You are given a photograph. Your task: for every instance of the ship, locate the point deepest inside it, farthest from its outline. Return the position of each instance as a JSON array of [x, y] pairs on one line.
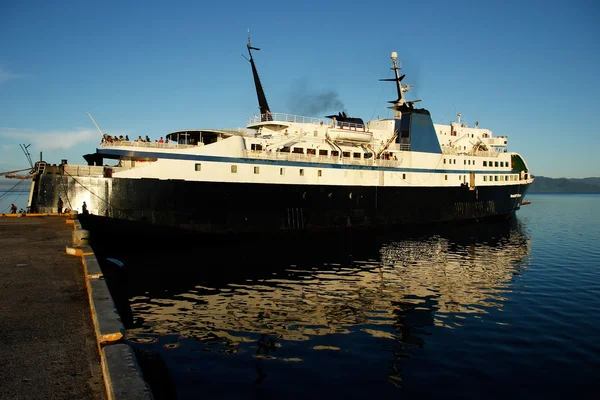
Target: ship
[[291, 173]]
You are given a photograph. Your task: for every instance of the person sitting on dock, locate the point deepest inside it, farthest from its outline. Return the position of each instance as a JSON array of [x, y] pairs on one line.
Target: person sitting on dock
[[13, 209], [60, 205]]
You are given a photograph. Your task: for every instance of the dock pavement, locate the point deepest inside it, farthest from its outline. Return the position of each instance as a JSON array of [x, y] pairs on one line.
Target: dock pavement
[[48, 348]]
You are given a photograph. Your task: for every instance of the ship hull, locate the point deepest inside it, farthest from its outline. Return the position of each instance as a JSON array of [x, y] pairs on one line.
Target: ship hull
[[214, 207]]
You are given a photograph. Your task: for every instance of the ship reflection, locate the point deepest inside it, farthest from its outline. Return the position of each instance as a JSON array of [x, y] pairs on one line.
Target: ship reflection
[[289, 301]]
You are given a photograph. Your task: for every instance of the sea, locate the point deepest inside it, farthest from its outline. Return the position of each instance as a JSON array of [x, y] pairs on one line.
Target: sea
[[509, 309], [19, 198]]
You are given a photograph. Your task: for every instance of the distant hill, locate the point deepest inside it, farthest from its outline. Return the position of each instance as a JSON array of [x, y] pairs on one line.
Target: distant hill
[[542, 184]]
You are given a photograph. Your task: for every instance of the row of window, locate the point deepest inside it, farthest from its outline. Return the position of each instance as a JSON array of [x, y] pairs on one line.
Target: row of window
[[324, 152], [485, 163], [500, 178], [495, 164], [234, 170]]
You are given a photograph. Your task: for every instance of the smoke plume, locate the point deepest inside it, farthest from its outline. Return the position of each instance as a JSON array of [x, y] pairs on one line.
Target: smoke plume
[[305, 101]]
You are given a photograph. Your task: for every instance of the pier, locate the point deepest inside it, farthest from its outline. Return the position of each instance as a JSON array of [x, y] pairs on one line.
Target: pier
[[60, 336]]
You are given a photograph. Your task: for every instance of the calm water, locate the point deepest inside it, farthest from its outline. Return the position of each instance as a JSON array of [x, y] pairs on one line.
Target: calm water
[[484, 311]]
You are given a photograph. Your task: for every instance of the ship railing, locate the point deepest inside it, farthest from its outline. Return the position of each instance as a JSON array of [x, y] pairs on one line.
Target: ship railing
[[307, 158], [399, 146], [481, 153], [84, 170], [282, 117], [170, 145]]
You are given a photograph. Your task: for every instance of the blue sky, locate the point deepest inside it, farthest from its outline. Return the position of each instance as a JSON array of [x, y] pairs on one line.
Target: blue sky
[[523, 68]]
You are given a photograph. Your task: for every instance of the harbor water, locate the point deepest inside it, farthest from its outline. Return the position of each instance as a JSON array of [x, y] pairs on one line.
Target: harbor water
[[478, 311], [18, 198]]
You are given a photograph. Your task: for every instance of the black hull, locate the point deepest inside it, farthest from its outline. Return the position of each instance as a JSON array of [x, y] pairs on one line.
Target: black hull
[[214, 207]]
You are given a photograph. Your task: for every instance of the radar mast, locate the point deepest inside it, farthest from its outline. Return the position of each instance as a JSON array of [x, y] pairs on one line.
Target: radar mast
[[265, 111]]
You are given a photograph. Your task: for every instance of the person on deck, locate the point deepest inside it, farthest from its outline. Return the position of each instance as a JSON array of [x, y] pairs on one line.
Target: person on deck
[[60, 205], [84, 209], [13, 209], [161, 140]]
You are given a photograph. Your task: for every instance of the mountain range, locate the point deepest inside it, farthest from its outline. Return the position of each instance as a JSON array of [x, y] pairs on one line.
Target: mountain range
[[542, 184]]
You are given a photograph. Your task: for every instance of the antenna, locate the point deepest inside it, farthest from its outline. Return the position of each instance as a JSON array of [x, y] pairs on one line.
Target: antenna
[[95, 123]]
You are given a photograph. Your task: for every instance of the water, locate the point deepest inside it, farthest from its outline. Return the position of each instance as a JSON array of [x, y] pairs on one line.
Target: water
[[492, 311], [18, 198]]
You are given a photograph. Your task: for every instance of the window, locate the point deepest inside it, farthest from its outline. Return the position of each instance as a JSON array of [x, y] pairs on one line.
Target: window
[[502, 163], [285, 150], [491, 178], [496, 164], [368, 155], [234, 169], [454, 161], [491, 164], [485, 163], [282, 171], [356, 155], [198, 167], [444, 161], [322, 152], [311, 152], [501, 178], [256, 147], [335, 153], [485, 178], [445, 177], [298, 150], [496, 178], [506, 178], [256, 170], [319, 172], [403, 176], [301, 172], [465, 162], [316, 133], [346, 154]]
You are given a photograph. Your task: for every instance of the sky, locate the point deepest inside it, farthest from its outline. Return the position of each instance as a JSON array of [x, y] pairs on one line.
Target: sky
[[526, 69]]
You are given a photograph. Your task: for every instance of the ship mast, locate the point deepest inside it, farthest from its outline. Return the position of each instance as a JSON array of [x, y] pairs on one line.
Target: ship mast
[[265, 111], [400, 104]]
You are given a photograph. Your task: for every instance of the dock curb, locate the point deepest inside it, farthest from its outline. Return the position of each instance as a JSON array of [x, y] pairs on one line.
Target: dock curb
[[122, 375]]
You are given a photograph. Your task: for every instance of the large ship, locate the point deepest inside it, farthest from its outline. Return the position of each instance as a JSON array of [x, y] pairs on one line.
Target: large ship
[[286, 172]]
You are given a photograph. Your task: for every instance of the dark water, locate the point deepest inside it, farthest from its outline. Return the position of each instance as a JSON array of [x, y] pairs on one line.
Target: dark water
[[480, 311]]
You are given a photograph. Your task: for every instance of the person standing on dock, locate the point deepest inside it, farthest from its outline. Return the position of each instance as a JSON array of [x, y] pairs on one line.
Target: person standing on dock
[[60, 205]]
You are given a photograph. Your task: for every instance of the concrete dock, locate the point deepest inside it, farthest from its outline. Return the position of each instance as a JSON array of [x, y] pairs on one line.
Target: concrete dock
[[48, 347]]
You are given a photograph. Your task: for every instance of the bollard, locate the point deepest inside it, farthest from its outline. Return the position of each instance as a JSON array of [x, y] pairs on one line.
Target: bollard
[[81, 237]]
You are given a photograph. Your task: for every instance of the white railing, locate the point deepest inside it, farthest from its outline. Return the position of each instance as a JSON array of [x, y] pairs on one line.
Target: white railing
[[455, 152], [307, 158], [154, 145], [487, 153], [399, 147], [281, 117]]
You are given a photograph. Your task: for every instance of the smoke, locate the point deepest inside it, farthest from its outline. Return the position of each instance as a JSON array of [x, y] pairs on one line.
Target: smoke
[[305, 101]]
